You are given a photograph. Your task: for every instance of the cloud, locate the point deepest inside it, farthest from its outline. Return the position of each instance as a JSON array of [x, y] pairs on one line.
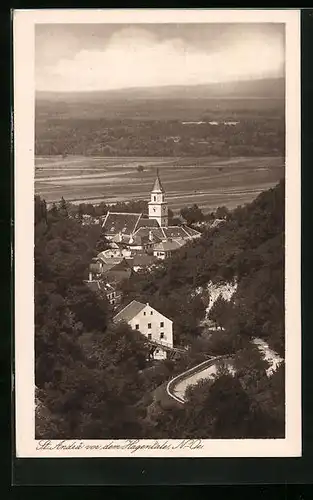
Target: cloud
[[137, 58]]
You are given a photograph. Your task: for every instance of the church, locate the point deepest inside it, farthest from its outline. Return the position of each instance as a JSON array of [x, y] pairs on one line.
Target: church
[[136, 242], [137, 232]]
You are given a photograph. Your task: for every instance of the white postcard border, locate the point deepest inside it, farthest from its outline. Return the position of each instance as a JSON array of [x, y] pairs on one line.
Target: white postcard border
[[24, 56]]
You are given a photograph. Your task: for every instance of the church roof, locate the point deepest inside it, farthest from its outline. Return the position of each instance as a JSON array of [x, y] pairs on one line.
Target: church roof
[[156, 232], [191, 232], [147, 223], [157, 184], [176, 232], [120, 222], [130, 311]]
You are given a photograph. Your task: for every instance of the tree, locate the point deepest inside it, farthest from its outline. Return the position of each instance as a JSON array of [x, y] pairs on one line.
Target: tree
[[63, 208], [40, 210], [192, 214], [221, 213], [102, 243], [220, 312]]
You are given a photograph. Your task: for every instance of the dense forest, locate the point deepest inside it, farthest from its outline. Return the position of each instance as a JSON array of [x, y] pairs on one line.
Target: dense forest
[[252, 135], [94, 379]]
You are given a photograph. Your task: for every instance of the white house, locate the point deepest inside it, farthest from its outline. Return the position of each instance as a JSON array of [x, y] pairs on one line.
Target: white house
[[151, 323], [165, 249]]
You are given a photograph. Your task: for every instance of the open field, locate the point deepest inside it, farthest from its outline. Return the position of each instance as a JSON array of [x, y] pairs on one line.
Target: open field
[[209, 182]]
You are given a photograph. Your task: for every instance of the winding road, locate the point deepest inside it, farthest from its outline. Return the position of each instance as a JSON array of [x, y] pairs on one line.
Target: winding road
[[176, 388]]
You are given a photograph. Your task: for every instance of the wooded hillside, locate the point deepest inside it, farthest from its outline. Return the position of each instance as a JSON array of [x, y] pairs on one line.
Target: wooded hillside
[[93, 378]]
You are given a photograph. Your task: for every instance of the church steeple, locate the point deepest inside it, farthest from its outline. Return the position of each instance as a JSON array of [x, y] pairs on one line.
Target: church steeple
[[157, 188], [157, 206]]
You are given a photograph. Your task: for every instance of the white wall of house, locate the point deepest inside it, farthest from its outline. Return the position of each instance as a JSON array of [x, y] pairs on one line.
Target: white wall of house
[[135, 247], [161, 254], [113, 297], [137, 268], [154, 326], [159, 353]]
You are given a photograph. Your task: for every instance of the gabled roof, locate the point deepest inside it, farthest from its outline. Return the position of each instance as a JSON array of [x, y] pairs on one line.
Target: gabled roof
[[166, 246], [99, 285], [147, 223], [157, 184], [123, 264], [156, 232], [144, 260], [175, 232], [94, 285], [191, 232], [217, 222], [111, 261], [113, 270], [120, 222], [130, 311], [117, 275]]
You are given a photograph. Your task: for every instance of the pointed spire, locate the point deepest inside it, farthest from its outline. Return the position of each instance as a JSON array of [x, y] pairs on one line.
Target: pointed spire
[[157, 184]]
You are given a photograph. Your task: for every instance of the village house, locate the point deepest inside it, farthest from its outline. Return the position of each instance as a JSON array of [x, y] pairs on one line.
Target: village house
[[166, 248], [110, 290], [143, 261], [114, 269], [155, 326]]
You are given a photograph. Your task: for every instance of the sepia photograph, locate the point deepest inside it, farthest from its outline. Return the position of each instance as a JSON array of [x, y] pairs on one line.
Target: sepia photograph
[[163, 166]]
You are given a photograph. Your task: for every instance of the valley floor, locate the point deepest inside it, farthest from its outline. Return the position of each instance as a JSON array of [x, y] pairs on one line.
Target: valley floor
[[209, 182]]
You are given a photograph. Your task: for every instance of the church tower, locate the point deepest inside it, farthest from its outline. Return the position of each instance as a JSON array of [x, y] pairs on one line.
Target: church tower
[[157, 206]]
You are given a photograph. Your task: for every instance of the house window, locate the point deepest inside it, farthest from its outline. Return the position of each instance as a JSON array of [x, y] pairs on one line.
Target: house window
[[149, 336], [137, 327], [144, 313], [149, 325], [162, 335], [154, 198], [151, 312], [113, 301], [161, 324]]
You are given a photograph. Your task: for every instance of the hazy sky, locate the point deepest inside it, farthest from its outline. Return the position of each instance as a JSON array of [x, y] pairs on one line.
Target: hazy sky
[[111, 56]]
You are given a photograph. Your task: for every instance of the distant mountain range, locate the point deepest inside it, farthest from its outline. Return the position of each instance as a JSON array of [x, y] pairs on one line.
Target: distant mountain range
[[271, 88]]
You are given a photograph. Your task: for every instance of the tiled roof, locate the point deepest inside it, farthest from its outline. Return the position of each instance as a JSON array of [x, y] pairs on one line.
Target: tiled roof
[[191, 232], [100, 285], [166, 246], [147, 223], [175, 232], [119, 222], [130, 311], [94, 285], [181, 241], [217, 222], [144, 260], [113, 270], [111, 261], [156, 232], [118, 276], [123, 264]]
